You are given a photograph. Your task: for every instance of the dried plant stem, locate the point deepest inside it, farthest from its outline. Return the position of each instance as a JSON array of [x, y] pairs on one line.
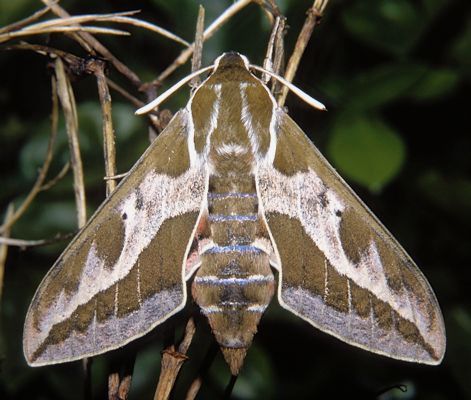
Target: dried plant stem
[[230, 387], [92, 29], [202, 371], [87, 41], [108, 132], [57, 178], [123, 92], [275, 49], [314, 15], [67, 100], [38, 185], [27, 21], [121, 17], [119, 380], [186, 54], [4, 248], [34, 243], [198, 53], [172, 361]]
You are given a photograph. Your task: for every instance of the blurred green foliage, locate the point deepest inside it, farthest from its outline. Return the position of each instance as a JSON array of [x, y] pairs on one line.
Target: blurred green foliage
[[395, 76]]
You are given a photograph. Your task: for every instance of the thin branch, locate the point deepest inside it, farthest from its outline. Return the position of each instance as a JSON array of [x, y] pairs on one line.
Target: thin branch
[[67, 100], [198, 53], [275, 49], [79, 19], [4, 248], [30, 32], [120, 376], [120, 17], [34, 243], [153, 28], [87, 41], [57, 178], [172, 361], [27, 21], [230, 387], [186, 54], [109, 147], [117, 176], [314, 14], [38, 185], [202, 371], [123, 92]]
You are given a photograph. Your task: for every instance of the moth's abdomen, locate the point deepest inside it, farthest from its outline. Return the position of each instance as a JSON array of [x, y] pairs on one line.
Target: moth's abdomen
[[234, 284]]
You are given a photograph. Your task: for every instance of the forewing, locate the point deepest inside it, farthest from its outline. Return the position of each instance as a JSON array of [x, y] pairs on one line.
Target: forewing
[[340, 269], [123, 274]]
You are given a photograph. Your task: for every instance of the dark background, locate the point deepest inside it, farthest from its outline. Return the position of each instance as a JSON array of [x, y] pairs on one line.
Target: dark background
[[395, 77]]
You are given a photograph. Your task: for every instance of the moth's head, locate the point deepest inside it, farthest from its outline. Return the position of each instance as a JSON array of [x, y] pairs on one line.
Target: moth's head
[[230, 67], [231, 59]]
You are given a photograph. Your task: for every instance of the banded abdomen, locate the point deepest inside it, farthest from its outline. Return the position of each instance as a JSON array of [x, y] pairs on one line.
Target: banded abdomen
[[234, 284]]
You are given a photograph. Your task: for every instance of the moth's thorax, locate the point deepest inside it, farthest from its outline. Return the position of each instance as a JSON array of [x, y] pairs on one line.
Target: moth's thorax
[[232, 113]]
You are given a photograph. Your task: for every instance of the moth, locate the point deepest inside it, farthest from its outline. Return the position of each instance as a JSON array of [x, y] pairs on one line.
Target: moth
[[233, 199]]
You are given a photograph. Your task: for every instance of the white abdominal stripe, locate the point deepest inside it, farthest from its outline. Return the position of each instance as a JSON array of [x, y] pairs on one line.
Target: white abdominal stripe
[[236, 308], [237, 218], [233, 249], [248, 280]]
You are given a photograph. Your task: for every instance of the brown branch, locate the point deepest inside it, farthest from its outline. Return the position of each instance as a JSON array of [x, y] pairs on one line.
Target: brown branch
[[92, 29], [57, 178], [119, 379], [38, 185], [4, 248], [34, 243], [28, 20], [275, 49], [123, 92], [202, 371], [66, 97], [172, 361], [98, 67], [87, 41], [198, 53], [209, 32], [314, 15]]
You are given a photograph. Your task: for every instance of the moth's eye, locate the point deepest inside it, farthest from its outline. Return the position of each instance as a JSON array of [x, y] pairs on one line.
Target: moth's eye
[[338, 213], [125, 216]]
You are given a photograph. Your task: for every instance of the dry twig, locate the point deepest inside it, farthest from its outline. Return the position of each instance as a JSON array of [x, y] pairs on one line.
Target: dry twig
[[24, 22], [314, 15], [90, 44], [198, 53], [66, 96], [108, 131], [186, 54], [4, 248], [23, 244], [172, 361]]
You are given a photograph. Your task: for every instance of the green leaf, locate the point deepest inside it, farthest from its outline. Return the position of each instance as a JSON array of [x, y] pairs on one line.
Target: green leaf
[[382, 85], [366, 150], [461, 50], [435, 83], [392, 26]]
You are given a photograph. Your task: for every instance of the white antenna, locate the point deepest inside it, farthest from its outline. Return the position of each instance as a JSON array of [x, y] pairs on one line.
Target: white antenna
[[154, 103], [298, 92]]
